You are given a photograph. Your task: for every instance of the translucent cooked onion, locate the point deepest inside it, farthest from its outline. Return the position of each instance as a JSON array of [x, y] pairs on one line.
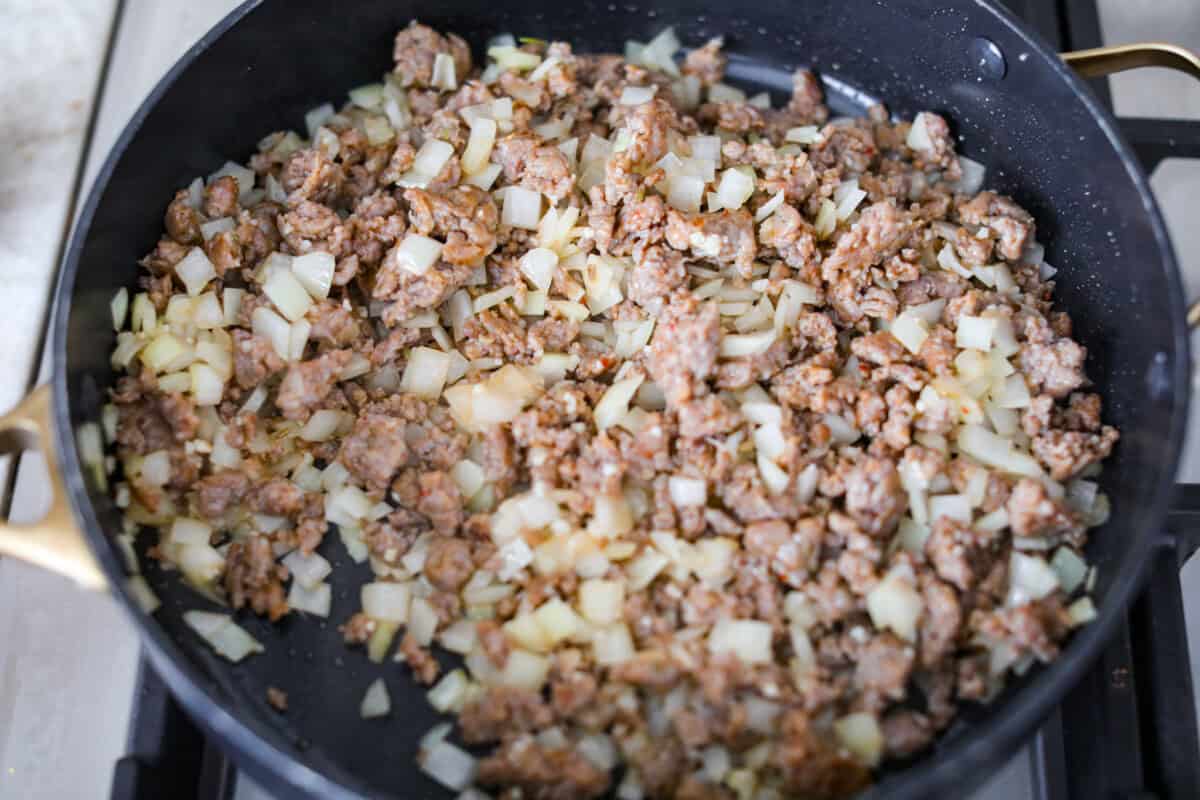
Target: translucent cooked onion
[[735, 188], [322, 425], [995, 451], [748, 640], [827, 219], [479, 145], [427, 164], [273, 328], [738, 346], [288, 294], [444, 77], [450, 766], [975, 332], [685, 192], [860, 734], [385, 601], [425, 373], [538, 265], [973, 175], [687, 491], [601, 602], [195, 271], [315, 272], [418, 253], [376, 702], [315, 600], [1029, 578], [724, 93], [804, 134], [228, 639], [522, 208], [847, 196], [895, 604], [612, 644], [918, 134], [450, 693], [636, 95], [207, 385], [614, 405], [768, 208]]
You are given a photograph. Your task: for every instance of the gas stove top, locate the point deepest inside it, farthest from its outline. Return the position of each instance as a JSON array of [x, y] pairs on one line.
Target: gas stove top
[[1128, 730]]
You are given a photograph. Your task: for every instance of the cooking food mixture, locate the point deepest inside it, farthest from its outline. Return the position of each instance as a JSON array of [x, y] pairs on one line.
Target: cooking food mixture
[[732, 446]]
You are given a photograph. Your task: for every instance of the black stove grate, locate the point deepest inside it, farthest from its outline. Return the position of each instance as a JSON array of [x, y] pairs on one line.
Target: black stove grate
[[1127, 731]]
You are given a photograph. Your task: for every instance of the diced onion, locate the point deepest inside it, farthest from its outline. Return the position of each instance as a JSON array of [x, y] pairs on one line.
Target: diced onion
[[973, 175], [918, 134], [427, 164], [684, 192], [450, 766], [207, 385], [1030, 578], [636, 95], [804, 134], [315, 272], [450, 693], [612, 644], [1070, 569], [509, 57], [522, 208], [748, 640], [975, 332], [195, 270], [484, 178], [827, 219], [847, 196], [418, 253], [602, 601], [388, 602], [479, 145], [288, 294], [614, 405], [737, 346], [860, 734], [315, 600], [274, 328], [538, 266], [768, 208], [376, 702], [227, 638], [425, 373], [687, 491], [443, 73], [995, 451], [954, 506], [1082, 611], [895, 604], [724, 93], [735, 188]]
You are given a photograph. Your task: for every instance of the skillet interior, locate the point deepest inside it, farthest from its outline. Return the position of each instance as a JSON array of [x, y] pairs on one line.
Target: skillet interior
[[1042, 141]]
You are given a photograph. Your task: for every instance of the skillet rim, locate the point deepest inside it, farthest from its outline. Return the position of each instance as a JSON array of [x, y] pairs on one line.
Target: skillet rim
[[957, 766]]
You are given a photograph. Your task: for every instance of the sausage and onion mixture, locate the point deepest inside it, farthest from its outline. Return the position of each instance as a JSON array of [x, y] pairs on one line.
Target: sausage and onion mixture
[[732, 446]]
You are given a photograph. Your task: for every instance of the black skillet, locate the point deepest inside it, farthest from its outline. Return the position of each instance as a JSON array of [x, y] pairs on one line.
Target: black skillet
[[1015, 107]]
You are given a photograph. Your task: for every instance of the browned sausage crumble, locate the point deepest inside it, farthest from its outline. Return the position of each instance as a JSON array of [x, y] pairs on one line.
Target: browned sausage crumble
[[732, 445]]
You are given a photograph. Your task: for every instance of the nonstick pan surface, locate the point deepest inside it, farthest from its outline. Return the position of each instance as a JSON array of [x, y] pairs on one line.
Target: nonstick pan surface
[[1014, 106]]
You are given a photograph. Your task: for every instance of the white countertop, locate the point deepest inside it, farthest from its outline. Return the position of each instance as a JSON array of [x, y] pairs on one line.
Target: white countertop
[[69, 659]]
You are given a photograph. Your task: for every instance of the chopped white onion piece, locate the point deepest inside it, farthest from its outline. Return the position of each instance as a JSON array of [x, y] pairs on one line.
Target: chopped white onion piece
[[494, 298], [484, 178], [450, 693], [735, 188], [316, 600], [228, 639], [1029, 578], [195, 270], [376, 702], [954, 506], [1082, 611], [910, 330], [847, 196], [995, 451], [768, 208], [724, 93], [612, 644], [388, 602], [427, 164], [895, 604], [684, 192], [860, 734], [748, 640], [538, 266], [450, 766], [602, 601], [315, 272], [274, 328], [614, 405], [687, 491], [418, 253], [443, 73], [827, 219], [425, 373], [636, 95], [522, 208], [243, 176], [307, 570], [973, 175], [737, 346], [509, 57], [1070, 568], [918, 134], [207, 385], [322, 425], [288, 294], [804, 134], [479, 145], [975, 332]]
